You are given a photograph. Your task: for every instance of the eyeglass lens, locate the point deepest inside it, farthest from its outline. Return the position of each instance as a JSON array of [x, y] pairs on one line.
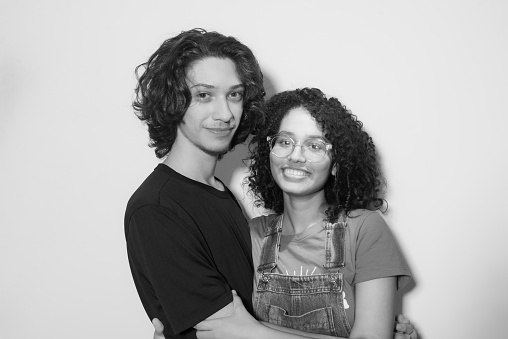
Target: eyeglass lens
[[312, 149]]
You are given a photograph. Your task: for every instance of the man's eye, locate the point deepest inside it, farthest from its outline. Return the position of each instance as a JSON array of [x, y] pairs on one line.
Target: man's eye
[[203, 95]]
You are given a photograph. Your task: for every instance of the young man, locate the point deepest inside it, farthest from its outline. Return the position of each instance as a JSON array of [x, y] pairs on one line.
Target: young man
[[201, 93], [188, 243]]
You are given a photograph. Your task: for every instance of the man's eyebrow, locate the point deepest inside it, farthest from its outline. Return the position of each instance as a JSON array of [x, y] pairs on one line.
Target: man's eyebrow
[[239, 86], [203, 85]]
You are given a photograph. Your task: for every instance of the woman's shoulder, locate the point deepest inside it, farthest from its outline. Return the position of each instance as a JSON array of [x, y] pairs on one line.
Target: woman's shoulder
[[363, 220]]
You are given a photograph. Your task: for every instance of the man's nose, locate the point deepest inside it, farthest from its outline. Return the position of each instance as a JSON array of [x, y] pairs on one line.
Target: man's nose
[[221, 110]]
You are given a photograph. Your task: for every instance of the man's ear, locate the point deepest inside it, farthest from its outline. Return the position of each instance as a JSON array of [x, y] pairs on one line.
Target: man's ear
[[334, 169]]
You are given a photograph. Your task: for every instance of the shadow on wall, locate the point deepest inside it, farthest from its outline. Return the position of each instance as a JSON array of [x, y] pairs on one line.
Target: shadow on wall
[[232, 169], [399, 304], [233, 161]]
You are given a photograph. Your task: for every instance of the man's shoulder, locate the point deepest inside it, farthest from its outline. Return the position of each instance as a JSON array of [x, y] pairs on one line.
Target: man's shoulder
[[156, 190], [149, 191], [155, 202], [259, 224]]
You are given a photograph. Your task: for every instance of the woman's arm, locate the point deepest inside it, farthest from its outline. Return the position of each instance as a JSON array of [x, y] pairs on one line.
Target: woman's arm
[[375, 307], [375, 303], [242, 325], [370, 295]]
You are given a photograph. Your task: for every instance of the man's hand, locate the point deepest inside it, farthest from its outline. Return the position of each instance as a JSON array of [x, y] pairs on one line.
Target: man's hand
[[404, 329], [158, 329]]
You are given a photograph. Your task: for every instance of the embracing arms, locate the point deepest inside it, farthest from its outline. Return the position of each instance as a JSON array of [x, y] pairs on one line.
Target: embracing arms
[[373, 319], [375, 302]]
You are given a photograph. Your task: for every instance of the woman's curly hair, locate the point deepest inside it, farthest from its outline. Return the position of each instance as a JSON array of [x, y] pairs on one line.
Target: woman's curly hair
[[357, 183], [162, 94]]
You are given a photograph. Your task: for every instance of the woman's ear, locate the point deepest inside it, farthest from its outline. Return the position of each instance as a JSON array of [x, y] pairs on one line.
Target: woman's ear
[[334, 169]]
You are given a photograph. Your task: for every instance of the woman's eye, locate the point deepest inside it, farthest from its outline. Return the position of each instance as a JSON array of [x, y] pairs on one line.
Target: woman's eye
[[315, 145], [285, 142], [236, 96]]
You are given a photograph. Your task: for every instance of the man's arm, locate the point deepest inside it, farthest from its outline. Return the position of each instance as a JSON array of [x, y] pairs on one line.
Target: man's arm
[[169, 260], [223, 312], [404, 328], [242, 325]]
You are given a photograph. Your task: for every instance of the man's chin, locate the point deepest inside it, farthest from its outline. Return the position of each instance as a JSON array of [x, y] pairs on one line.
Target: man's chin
[[217, 152]]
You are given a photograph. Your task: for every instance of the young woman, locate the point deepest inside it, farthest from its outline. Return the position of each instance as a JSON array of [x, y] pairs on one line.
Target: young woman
[[327, 263]]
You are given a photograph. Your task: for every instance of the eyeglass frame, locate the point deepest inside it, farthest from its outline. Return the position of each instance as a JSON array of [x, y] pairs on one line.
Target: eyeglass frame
[[269, 139]]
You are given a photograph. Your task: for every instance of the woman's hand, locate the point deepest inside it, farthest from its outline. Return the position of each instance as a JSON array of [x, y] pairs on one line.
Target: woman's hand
[[240, 324], [158, 328]]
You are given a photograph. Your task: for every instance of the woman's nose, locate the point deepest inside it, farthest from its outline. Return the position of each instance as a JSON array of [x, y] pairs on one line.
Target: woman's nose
[[296, 154]]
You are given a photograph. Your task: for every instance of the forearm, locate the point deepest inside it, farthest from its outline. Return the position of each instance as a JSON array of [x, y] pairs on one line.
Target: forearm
[[279, 332]]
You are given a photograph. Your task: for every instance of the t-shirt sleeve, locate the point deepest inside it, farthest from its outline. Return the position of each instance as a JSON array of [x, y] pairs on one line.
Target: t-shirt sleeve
[[173, 269], [377, 253]]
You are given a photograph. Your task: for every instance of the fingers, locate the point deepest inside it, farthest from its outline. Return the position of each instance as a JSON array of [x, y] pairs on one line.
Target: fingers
[[204, 335], [237, 301], [157, 324], [203, 325], [159, 329], [401, 319], [405, 331], [404, 328], [204, 329]]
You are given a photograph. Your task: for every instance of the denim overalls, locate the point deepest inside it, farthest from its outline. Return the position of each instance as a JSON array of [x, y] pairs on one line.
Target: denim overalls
[[308, 303]]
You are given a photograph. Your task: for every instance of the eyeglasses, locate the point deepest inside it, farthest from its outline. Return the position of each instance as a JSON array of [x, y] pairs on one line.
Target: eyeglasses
[[314, 150]]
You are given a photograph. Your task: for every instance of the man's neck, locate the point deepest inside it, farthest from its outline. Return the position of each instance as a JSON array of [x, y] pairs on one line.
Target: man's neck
[[194, 164]]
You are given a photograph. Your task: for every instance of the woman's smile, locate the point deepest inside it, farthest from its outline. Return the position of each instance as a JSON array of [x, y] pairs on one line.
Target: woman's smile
[[293, 172]]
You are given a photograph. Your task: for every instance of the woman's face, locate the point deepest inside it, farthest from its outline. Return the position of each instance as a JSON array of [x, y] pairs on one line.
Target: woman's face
[[294, 174]]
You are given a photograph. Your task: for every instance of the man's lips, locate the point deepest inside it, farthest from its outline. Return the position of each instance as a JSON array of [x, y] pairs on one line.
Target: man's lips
[[220, 130]]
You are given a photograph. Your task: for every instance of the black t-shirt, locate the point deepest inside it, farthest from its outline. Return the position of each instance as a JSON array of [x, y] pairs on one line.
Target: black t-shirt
[[188, 245]]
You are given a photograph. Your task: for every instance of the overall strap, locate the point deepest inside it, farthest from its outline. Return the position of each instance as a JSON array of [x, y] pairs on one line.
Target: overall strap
[[271, 244], [335, 249]]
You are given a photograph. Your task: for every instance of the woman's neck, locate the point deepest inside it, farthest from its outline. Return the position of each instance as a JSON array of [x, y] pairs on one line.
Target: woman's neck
[[301, 213]]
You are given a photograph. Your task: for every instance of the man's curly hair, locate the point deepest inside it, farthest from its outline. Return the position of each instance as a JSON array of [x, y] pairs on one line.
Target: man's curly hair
[[357, 183], [162, 94]]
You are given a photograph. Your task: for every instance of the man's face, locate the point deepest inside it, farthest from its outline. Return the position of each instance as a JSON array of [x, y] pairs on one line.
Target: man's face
[[216, 107]]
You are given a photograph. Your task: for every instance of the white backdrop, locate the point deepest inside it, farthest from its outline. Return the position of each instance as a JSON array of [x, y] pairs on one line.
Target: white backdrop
[[428, 79]]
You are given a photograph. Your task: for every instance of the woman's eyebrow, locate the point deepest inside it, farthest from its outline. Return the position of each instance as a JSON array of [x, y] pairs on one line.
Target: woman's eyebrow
[[312, 136]]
